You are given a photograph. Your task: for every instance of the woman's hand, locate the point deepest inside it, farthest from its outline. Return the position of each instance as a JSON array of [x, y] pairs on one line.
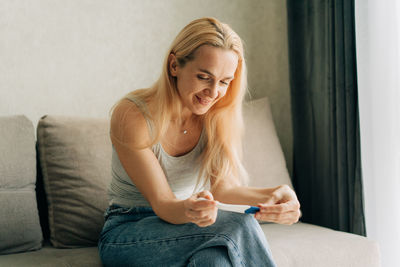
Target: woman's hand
[[201, 212], [282, 207]]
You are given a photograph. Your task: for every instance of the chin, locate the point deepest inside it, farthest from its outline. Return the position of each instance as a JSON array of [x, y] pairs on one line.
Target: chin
[[201, 109]]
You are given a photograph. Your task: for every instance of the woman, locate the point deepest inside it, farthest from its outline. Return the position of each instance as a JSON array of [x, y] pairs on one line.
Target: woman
[[176, 153]]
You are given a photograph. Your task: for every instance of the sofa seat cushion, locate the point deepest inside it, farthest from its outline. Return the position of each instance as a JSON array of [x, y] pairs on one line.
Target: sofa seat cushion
[[50, 256], [19, 220], [298, 245], [309, 245]]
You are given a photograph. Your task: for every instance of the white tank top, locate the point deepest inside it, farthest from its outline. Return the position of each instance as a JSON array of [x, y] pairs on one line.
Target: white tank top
[[181, 172]]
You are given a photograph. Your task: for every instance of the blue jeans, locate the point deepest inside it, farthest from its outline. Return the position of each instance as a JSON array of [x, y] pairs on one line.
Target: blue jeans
[[138, 237]]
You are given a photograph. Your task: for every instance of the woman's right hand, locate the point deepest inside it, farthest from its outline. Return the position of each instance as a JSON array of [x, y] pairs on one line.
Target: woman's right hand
[[202, 212]]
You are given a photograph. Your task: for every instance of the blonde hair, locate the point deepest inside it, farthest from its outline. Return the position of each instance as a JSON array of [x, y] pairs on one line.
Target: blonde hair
[[223, 123]]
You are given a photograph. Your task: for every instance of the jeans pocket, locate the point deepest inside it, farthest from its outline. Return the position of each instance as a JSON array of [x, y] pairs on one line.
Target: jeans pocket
[[115, 210]]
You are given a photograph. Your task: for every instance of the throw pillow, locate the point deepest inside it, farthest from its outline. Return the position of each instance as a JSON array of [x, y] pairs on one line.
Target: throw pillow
[[75, 158]]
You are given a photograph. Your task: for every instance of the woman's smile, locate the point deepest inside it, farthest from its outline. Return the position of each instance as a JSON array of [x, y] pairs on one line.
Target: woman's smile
[[203, 101]]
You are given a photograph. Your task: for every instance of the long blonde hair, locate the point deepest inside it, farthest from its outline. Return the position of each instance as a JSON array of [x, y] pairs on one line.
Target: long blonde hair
[[223, 123]]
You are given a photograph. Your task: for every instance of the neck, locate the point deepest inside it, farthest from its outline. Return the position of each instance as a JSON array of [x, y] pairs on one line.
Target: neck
[[187, 123], [184, 117]]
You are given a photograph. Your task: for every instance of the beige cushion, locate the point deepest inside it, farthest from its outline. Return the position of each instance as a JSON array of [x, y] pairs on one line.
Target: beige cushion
[[75, 157], [309, 245], [50, 257], [19, 220], [262, 153]]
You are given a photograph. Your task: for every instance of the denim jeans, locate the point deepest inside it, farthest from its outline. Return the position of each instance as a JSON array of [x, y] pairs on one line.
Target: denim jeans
[[138, 237]]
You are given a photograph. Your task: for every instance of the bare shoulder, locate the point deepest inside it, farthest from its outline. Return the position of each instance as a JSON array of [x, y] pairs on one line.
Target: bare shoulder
[[128, 126]]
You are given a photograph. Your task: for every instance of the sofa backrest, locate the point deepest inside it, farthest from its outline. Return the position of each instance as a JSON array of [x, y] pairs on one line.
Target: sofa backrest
[[262, 153]]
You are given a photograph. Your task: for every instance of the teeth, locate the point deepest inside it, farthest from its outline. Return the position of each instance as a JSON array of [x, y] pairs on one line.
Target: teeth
[[202, 101]]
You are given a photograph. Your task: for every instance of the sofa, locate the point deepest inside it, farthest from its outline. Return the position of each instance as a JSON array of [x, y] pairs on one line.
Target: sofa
[[53, 193]]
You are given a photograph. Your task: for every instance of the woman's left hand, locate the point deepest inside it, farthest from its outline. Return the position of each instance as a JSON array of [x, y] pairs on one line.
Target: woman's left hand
[[282, 207]]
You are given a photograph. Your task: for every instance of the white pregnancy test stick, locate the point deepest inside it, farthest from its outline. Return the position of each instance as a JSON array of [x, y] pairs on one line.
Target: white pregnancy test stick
[[235, 208]]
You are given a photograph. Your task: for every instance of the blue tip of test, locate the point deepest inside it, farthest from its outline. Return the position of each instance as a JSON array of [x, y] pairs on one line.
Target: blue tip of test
[[252, 210]]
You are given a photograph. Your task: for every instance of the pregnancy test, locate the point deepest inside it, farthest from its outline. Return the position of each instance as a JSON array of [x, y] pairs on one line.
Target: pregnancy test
[[235, 208]]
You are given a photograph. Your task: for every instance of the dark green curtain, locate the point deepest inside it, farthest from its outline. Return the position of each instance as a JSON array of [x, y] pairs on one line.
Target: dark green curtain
[[323, 79]]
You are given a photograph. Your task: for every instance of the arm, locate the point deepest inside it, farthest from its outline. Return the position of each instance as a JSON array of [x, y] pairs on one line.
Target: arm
[[128, 133], [278, 204], [233, 193]]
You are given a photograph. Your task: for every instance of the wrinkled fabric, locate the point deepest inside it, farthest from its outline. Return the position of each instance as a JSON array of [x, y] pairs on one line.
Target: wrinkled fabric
[[138, 237]]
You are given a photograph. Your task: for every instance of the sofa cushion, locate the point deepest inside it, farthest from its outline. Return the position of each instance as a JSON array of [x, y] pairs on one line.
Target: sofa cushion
[[19, 221], [50, 256], [75, 158], [262, 153], [303, 244]]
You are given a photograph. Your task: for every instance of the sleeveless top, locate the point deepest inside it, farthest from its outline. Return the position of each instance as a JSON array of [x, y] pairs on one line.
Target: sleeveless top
[[181, 172]]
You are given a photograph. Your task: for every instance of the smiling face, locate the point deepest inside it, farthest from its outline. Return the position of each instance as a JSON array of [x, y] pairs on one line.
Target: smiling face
[[204, 80]]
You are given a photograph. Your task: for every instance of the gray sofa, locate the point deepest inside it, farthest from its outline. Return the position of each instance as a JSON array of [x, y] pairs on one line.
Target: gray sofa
[[53, 194]]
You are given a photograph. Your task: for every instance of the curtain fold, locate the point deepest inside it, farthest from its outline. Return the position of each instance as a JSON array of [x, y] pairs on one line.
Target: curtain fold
[[323, 79]]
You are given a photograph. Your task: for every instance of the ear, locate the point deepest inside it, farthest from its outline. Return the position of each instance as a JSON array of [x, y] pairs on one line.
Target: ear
[[172, 64]]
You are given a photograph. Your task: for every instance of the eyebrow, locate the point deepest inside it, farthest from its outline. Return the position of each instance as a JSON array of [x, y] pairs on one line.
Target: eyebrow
[[208, 72]]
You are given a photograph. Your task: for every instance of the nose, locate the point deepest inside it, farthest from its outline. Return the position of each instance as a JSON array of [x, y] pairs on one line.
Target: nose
[[212, 90]]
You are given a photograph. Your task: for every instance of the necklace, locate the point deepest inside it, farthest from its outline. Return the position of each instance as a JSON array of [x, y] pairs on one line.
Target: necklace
[[188, 127]]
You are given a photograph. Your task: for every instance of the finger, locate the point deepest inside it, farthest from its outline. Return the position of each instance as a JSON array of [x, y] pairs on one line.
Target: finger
[[290, 220], [201, 214], [206, 194], [281, 194], [288, 217], [194, 203], [280, 208], [204, 204], [205, 223]]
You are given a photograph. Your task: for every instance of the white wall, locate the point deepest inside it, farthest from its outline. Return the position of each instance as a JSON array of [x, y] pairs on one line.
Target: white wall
[[378, 63], [78, 57]]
